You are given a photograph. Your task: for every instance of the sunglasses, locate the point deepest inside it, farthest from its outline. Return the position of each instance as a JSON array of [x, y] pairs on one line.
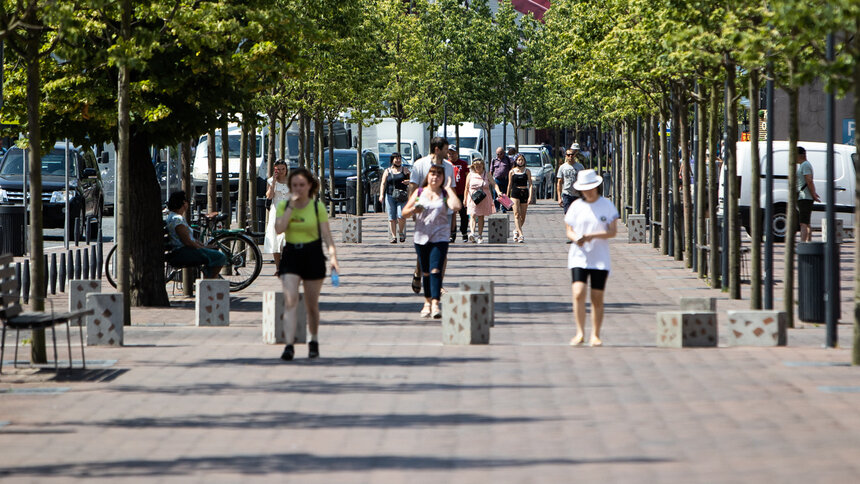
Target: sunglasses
[[569, 154]]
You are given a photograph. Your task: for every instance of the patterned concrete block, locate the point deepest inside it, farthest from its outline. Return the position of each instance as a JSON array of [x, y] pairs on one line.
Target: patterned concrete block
[[104, 326], [78, 291], [212, 305], [840, 230], [498, 228], [465, 318], [683, 329], [757, 328], [700, 304], [273, 319], [484, 286], [636, 229], [351, 230]]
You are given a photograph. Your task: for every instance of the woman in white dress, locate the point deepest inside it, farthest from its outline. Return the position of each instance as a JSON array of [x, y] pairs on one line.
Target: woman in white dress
[[277, 190]]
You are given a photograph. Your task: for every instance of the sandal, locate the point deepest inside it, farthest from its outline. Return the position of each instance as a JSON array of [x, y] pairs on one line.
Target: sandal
[[416, 282], [425, 311], [402, 236], [392, 240]]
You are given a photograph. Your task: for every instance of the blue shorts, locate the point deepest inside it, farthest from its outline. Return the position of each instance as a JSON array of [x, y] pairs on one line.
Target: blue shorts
[[190, 257], [394, 209]]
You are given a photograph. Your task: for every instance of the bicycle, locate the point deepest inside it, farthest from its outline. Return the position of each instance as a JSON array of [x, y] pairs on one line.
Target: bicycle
[[244, 259]]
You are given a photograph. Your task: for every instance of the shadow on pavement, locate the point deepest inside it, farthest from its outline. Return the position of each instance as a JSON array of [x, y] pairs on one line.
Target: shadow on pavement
[[338, 362], [268, 464]]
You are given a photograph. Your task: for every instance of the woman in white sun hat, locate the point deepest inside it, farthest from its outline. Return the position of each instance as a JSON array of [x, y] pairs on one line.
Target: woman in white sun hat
[[590, 221]]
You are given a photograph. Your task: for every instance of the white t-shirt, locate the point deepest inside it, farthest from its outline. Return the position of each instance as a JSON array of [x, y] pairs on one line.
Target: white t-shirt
[[587, 218], [422, 166]]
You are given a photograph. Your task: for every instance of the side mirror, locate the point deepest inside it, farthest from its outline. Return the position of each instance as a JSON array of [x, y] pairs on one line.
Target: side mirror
[[91, 173]]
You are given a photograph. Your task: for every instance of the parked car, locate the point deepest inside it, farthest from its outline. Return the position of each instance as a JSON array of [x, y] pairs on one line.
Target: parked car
[[409, 149], [845, 159], [345, 169], [86, 196], [539, 163]]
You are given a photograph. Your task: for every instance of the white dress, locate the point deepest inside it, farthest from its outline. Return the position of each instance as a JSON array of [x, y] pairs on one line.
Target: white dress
[[274, 242]]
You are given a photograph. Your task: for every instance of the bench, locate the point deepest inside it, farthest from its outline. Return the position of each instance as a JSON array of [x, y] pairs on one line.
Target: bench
[[12, 316]]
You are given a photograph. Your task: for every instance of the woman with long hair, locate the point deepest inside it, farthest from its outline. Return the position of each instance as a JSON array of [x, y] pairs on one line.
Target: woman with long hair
[[520, 191], [304, 223], [394, 191], [277, 191], [430, 204]]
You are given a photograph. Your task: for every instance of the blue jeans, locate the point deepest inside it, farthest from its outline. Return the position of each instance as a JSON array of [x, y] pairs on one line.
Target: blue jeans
[[394, 209], [431, 256], [566, 200]]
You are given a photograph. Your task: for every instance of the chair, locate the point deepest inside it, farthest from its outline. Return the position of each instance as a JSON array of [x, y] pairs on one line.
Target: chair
[[12, 317]]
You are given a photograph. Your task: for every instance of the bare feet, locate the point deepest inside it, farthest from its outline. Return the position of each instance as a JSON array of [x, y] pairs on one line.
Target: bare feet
[[577, 340], [595, 341]]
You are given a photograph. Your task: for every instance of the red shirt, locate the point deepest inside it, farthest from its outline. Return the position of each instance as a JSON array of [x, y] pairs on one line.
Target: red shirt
[[461, 171]]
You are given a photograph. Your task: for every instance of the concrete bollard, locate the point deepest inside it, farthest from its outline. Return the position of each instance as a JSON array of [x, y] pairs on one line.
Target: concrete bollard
[[636, 229], [840, 230], [465, 318], [78, 292], [104, 326], [351, 227], [273, 319], [700, 304], [212, 303], [680, 329], [498, 228], [485, 286], [757, 328]]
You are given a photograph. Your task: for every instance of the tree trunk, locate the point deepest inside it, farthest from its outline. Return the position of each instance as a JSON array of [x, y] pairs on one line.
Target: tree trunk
[[242, 196], [212, 182], [625, 169], [188, 188], [656, 195], [270, 142], [855, 353], [755, 195], [664, 182], [146, 276], [309, 142], [677, 208], [359, 166], [732, 214], [282, 136], [252, 174], [225, 170], [713, 177], [399, 132], [793, 130], [684, 140], [701, 182], [644, 162], [37, 251], [331, 167], [122, 173], [303, 136]]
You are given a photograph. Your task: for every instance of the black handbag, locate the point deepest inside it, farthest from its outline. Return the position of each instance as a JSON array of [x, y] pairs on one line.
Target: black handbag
[[400, 196], [478, 196]]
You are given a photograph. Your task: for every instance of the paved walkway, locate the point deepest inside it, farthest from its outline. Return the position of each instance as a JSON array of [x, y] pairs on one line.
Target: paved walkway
[[388, 403]]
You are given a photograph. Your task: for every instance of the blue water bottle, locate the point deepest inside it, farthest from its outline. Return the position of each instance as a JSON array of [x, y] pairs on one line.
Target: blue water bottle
[[335, 279]]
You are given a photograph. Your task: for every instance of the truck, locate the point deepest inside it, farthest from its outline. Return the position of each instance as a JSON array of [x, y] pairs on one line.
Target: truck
[[473, 136]]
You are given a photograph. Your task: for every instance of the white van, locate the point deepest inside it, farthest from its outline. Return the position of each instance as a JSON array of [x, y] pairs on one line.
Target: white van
[[844, 160], [200, 168], [409, 149]]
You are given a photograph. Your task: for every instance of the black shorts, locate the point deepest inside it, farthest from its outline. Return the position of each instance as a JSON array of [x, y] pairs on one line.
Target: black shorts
[[598, 277], [804, 211], [305, 260], [521, 194]]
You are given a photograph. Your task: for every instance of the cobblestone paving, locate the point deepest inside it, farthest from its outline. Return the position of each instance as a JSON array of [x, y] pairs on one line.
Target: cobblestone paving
[[387, 402]]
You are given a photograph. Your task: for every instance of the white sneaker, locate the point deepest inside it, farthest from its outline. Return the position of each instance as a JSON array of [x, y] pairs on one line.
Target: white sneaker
[[479, 240], [471, 237]]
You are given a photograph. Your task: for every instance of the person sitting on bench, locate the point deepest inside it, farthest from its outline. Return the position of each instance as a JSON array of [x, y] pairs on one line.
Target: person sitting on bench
[[184, 250]]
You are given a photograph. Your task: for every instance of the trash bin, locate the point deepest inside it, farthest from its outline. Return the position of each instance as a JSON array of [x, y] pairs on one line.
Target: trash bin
[[261, 214], [810, 282], [12, 229], [350, 195]]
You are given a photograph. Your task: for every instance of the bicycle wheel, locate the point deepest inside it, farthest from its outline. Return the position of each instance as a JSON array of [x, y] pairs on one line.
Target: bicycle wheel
[[244, 259], [110, 266]]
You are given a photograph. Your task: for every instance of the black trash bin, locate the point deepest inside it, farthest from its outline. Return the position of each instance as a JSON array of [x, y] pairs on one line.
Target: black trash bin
[[350, 195], [261, 215], [12, 229], [810, 282]]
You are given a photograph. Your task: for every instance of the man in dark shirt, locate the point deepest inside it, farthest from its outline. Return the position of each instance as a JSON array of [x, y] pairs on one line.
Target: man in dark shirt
[[461, 170], [499, 168]]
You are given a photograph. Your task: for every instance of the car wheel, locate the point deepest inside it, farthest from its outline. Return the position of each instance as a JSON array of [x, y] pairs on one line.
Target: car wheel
[[779, 222]]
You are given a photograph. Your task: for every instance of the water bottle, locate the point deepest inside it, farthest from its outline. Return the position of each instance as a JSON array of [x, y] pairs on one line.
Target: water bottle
[[335, 279]]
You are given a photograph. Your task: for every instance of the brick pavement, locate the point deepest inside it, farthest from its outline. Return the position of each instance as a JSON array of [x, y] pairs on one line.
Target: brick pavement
[[387, 402]]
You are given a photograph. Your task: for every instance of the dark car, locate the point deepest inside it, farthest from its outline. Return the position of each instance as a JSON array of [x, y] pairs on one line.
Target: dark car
[[345, 167], [86, 198]]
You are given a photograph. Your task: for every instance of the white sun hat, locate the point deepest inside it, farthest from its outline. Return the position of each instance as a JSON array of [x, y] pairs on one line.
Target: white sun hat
[[575, 146], [586, 180]]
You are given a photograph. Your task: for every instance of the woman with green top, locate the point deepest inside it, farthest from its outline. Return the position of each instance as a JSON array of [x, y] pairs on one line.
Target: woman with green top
[[304, 223]]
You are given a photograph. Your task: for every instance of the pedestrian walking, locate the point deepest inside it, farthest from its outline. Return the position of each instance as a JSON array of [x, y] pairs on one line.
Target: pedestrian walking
[[479, 199], [566, 177], [806, 194], [461, 171], [500, 166], [589, 222], [304, 223], [430, 204], [277, 191], [394, 189], [520, 190]]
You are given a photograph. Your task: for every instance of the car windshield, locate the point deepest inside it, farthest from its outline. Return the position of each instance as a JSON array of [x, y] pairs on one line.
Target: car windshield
[[52, 163], [235, 142], [468, 142], [388, 148], [532, 159], [342, 161]]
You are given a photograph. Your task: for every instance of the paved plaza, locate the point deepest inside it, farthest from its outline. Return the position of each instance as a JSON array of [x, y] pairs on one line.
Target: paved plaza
[[388, 403]]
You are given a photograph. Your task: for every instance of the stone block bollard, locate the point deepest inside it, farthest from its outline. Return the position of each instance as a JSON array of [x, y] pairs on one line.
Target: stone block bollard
[[351, 230], [104, 326], [273, 319], [757, 328], [636, 229], [700, 304], [498, 228], [78, 291], [840, 230], [485, 286], [683, 329], [465, 318], [212, 304]]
